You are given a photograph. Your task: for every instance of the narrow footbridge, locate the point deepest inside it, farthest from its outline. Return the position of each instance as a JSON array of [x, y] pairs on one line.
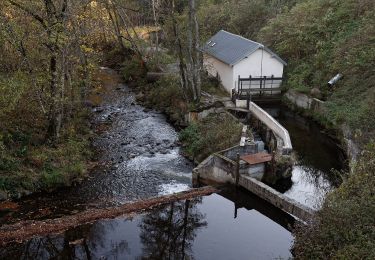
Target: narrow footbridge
[[259, 89]]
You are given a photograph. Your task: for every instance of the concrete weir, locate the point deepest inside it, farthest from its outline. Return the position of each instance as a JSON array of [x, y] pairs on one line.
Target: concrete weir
[[276, 198], [229, 167], [219, 169]]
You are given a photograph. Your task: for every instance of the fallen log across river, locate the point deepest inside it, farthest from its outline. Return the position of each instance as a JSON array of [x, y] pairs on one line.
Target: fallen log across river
[[25, 230]]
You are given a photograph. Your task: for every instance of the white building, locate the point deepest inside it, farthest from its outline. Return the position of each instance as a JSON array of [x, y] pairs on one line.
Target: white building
[[229, 56]]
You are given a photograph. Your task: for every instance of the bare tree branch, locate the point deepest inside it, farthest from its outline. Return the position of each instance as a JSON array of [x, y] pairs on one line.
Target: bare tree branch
[[29, 12]]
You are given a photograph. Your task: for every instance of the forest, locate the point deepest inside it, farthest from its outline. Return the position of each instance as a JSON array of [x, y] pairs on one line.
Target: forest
[[51, 51]]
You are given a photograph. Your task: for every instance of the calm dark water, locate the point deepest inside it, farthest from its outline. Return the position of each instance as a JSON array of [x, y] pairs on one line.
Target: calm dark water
[[318, 155], [204, 228]]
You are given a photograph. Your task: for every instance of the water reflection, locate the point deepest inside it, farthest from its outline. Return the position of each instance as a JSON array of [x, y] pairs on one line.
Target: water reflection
[[318, 157], [169, 233], [232, 225]]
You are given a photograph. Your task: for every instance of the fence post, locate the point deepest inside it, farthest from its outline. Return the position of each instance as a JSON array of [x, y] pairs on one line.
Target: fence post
[[250, 83], [264, 84], [238, 84], [248, 97], [237, 169]]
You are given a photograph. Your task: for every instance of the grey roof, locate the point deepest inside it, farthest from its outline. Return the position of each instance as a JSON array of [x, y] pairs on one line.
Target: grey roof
[[231, 48]]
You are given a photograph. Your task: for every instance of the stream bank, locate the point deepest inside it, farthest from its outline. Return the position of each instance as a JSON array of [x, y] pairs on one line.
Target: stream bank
[[143, 159], [314, 109], [139, 158]]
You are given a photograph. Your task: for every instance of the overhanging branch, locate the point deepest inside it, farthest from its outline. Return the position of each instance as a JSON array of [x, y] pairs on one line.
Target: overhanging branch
[[29, 12]]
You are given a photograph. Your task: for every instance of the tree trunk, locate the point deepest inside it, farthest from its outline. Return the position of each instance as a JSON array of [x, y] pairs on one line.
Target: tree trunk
[[156, 22], [52, 117], [193, 52], [182, 66], [115, 25], [185, 225]]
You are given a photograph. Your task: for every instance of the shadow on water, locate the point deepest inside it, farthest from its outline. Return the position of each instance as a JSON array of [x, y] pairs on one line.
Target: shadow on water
[[229, 225], [318, 156]]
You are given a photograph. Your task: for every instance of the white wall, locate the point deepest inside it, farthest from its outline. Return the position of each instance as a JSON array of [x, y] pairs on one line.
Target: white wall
[[255, 65], [258, 66], [215, 66]]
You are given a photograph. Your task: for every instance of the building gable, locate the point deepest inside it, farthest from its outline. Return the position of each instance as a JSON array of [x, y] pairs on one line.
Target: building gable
[[231, 48]]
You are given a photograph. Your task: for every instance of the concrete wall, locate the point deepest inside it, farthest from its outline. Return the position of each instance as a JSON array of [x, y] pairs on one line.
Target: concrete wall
[[218, 170], [275, 126], [351, 148], [280, 132], [216, 67], [276, 198], [220, 167], [303, 101], [214, 169], [231, 153]]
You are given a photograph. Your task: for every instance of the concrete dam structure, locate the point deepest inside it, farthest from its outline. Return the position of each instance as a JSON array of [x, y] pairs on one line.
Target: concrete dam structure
[[219, 168], [247, 164]]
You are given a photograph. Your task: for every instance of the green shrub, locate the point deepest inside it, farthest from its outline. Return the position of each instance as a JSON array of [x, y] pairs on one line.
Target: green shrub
[[321, 38], [133, 69], [52, 179], [212, 134], [212, 86], [12, 88], [27, 167], [162, 60], [166, 95], [193, 139], [344, 227]]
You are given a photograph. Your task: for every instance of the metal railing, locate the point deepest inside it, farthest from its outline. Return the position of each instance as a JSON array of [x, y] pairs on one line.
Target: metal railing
[[258, 86]]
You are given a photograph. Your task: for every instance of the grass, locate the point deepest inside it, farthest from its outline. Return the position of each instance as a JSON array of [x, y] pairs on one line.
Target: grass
[[322, 38], [344, 227], [212, 86], [212, 134], [26, 167], [27, 163]]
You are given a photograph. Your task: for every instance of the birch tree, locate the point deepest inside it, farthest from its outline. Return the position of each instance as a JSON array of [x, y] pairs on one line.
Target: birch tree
[[189, 64]]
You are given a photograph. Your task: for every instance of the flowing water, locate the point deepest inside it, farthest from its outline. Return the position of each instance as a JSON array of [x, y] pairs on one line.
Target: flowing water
[[138, 148], [318, 156], [140, 158]]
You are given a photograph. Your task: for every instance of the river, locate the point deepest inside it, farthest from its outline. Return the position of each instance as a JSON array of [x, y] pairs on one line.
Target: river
[[140, 158], [318, 158], [204, 228]]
